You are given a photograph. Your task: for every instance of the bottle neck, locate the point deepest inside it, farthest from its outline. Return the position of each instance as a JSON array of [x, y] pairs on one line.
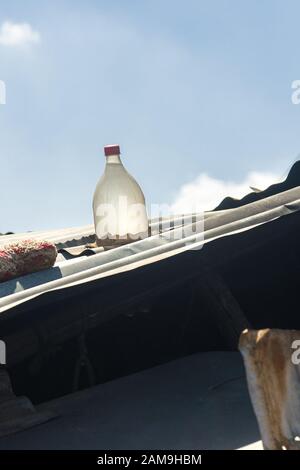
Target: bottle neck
[[113, 159]]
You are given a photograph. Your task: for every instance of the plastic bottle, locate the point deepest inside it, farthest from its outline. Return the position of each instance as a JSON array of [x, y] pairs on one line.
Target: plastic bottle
[[119, 208]]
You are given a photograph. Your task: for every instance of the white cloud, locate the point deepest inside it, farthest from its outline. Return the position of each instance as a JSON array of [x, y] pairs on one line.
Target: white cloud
[[205, 192], [17, 34]]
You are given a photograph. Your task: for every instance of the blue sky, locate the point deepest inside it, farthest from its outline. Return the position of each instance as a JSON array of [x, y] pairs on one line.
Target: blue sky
[[194, 92]]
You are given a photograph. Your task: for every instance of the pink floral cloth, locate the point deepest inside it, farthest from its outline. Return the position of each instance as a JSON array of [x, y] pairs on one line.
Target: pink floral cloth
[[24, 257]]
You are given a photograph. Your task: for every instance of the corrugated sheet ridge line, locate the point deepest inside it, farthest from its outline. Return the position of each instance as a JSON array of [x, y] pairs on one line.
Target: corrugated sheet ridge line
[[61, 236], [155, 248]]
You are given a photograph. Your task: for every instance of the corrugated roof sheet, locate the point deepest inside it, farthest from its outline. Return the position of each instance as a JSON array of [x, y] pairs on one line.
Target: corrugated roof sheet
[[253, 245], [168, 239]]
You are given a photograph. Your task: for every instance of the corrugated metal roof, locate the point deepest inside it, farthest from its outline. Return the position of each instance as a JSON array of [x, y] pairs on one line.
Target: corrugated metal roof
[[168, 239], [253, 246]]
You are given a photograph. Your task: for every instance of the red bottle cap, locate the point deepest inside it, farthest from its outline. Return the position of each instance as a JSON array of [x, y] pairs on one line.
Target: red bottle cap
[[111, 150]]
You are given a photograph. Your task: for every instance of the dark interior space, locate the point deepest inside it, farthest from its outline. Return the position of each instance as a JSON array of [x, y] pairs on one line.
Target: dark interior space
[[129, 342]]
